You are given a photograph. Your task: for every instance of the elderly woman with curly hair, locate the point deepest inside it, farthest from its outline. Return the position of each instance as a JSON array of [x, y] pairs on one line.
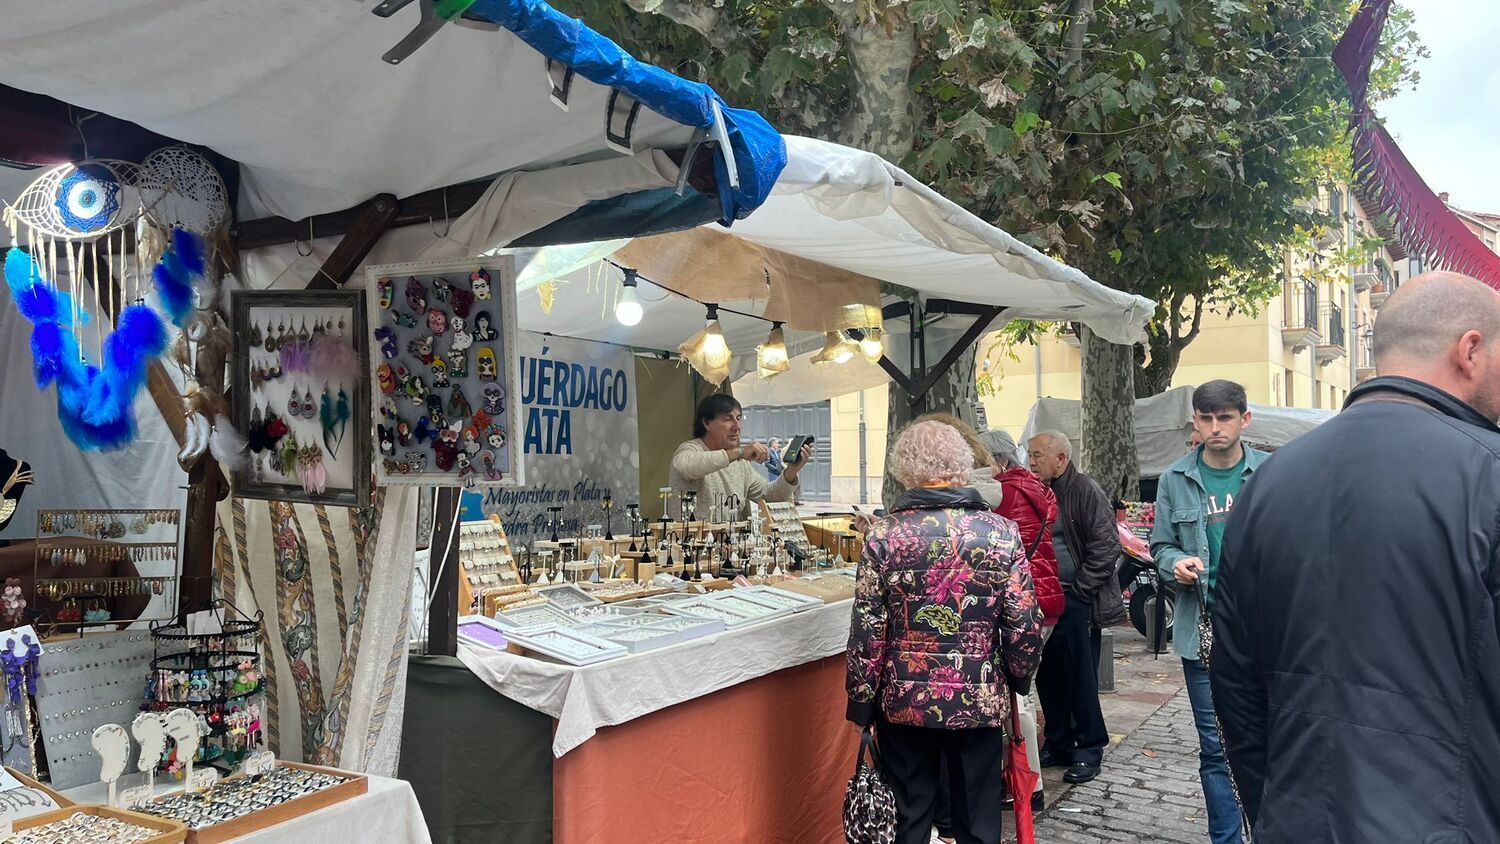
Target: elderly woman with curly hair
[[945, 624]]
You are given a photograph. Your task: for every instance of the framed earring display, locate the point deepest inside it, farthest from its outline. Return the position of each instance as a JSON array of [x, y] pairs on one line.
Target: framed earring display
[[301, 395], [442, 357]]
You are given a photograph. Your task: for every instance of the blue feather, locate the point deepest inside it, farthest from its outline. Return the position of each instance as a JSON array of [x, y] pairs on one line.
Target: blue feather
[[174, 287], [189, 249], [51, 349], [138, 338], [20, 271]]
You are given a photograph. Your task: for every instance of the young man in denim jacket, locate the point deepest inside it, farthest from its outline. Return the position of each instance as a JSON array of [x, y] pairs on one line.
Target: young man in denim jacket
[[1193, 502]]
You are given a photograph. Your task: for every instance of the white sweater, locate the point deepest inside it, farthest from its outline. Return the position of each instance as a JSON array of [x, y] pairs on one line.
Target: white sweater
[[711, 474]]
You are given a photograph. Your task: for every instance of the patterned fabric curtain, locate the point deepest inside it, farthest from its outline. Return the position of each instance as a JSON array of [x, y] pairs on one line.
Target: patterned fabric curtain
[[335, 586]]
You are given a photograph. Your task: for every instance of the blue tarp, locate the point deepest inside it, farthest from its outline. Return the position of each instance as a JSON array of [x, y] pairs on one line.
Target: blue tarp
[[759, 152]]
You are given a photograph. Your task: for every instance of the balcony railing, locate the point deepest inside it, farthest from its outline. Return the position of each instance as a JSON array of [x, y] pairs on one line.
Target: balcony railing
[[1299, 326], [1301, 305], [1330, 346]]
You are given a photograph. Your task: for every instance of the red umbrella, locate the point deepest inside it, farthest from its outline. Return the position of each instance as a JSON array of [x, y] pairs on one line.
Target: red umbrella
[[1019, 776]]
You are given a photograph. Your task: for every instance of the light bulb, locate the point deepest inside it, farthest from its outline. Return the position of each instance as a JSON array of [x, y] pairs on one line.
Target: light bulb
[[771, 357], [714, 346], [837, 348], [707, 351], [870, 345], [628, 310]]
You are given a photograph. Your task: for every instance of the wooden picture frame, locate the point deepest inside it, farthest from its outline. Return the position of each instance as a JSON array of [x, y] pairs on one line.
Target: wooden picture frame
[[419, 373], [348, 467]]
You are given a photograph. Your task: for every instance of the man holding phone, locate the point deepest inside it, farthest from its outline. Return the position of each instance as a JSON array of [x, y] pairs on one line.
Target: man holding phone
[[1193, 502]]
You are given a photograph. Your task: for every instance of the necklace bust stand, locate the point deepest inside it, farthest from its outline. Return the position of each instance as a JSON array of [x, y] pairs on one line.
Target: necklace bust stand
[[15, 476]]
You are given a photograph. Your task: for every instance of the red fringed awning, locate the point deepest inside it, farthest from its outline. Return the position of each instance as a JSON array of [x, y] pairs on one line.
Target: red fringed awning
[[1424, 224]]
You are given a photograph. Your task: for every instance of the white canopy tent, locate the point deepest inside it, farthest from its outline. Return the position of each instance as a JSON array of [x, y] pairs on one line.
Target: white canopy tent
[[1163, 422]]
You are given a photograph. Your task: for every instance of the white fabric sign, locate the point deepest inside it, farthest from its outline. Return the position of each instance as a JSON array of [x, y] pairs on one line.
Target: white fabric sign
[[578, 428]]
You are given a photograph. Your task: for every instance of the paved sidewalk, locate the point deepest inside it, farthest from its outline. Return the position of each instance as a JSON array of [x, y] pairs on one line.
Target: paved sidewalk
[[1148, 790]]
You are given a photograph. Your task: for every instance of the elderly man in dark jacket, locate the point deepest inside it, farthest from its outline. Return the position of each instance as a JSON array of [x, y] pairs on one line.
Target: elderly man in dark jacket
[[1087, 547], [1356, 659]]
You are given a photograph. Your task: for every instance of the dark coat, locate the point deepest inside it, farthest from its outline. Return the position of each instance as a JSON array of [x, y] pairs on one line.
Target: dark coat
[[1356, 661], [944, 615], [1088, 523]]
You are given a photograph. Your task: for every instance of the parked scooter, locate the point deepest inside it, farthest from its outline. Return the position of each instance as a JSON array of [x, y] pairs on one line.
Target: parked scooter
[[1141, 587]]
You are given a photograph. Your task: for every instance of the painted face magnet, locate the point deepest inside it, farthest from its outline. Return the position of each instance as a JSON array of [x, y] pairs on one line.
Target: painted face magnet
[[387, 287], [439, 372], [480, 281], [421, 348], [437, 322], [485, 358], [386, 337], [462, 339], [458, 364], [441, 288], [484, 332], [416, 295], [435, 411], [494, 399], [463, 300], [387, 378]]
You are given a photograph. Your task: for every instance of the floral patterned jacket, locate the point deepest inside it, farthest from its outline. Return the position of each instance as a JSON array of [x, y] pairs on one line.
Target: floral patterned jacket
[[945, 615]]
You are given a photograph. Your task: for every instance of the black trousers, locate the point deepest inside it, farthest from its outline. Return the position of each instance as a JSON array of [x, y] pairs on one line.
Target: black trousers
[[1068, 685], [911, 758]]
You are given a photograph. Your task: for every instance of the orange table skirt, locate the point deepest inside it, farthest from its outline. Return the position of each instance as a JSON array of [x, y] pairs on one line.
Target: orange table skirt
[[765, 761]]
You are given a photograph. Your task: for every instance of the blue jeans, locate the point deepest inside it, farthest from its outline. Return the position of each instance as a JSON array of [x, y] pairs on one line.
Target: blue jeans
[[1218, 792]]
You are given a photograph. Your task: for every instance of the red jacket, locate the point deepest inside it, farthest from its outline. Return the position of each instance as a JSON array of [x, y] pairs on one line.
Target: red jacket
[[1032, 506]]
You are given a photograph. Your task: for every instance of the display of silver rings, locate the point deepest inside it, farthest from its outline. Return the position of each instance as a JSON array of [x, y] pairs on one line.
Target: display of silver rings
[[83, 828], [238, 797]]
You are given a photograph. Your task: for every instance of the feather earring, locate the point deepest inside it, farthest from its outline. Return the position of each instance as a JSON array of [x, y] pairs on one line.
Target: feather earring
[[226, 444]]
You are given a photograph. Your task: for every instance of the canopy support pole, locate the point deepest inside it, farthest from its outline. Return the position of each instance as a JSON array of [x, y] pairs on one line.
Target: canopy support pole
[[921, 382]]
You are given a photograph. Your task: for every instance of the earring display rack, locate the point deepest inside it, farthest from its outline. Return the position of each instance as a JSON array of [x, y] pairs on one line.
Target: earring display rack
[[486, 561], [83, 684], [95, 567], [782, 517], [215, 674]]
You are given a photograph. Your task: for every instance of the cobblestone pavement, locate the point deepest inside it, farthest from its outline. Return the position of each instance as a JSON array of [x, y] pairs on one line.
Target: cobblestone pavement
[[1148, 789]]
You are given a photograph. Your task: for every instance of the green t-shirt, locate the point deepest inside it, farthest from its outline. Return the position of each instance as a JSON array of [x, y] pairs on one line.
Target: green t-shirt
[[1221, 486]]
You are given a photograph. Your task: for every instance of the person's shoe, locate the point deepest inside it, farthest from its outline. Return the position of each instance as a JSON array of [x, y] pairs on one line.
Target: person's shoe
[[1048, 759], [1038, 802], [1080, 772]]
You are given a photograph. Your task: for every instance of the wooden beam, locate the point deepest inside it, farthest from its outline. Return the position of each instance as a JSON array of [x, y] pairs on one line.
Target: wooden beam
[[981, 324], [442, 575], [374, 219]]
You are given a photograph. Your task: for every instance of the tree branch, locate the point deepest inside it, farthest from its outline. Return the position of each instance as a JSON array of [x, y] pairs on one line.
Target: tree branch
[[703, 18]]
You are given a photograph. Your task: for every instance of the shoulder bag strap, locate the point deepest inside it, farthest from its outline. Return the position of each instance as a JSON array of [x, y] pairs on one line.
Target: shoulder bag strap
[[866, 746]]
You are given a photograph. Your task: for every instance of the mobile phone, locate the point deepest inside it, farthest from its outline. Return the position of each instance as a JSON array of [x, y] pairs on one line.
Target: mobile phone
[[794, 451]]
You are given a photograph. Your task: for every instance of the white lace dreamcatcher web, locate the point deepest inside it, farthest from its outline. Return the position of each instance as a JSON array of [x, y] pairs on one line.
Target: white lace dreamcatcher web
[[193, 193]]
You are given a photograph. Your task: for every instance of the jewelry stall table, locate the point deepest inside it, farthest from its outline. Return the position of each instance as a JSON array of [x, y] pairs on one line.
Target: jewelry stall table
[[737, 736], [385, 814]]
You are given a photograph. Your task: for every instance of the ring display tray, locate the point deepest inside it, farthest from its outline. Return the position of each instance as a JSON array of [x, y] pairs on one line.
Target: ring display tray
[[567, 597], [567, 645], [706, 608], [540, 615], [635, 639], [760, 610], [481, 632], [168, 831], [353, 786], [779, 598]]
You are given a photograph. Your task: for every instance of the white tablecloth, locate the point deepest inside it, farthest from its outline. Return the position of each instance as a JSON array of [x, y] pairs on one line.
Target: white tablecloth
[[386, 814], [585, 698]]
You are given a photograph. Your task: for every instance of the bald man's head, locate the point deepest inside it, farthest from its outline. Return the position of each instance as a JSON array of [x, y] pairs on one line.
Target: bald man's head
[[1443, 328]]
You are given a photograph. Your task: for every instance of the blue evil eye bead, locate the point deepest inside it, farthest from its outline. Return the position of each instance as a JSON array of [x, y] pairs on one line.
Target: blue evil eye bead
[[88, 198]]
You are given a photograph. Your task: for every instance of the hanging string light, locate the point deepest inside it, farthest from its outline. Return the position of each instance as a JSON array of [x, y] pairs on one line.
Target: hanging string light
[[628, 310], [870, 345], [837, 348], [707, 351], [771, 357]]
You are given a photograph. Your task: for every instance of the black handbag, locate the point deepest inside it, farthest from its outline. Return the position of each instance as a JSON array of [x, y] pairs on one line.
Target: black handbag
[[1205, 625], [869, 804]]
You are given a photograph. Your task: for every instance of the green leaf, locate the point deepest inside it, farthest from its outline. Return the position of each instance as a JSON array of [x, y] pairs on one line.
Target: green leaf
[[1216, 85], [1112, 177], [1025, 122], [1116, 255]]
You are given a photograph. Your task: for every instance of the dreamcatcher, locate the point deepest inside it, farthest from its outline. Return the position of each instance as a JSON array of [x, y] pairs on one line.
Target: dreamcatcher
[[75, 221]]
